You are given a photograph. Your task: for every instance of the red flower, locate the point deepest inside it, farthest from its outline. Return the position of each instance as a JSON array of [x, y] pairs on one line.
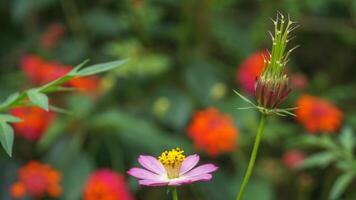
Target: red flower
[[298, 81], [105, 184], [52, 35], [249, 70], [293, 158], [40, 72], [37, 180], [318, 115], [85, 84], [35, 122], [29, 65], [213, 132]]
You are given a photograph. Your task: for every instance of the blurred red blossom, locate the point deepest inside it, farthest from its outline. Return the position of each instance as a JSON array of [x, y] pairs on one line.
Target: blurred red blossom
[[105, 184], [52, 35], [85, 84], [37, 180], [35, 121], [249, 70], [298, 81], [213, 132], [293, 158], [40, 71], [318, 115]]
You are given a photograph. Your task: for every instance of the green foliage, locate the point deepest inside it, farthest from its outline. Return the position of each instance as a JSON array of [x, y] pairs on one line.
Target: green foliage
[[180, 57], [129, 128], [10, 99], [95, 69], [38, 98], [6, 132], [338, 152], [319, 160], [9, 118], [6, 137], [141, 61], [341, 184]]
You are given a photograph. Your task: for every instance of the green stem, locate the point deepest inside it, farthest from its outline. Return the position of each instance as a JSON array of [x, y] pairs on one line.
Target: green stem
[[174, 193], [253, 157]]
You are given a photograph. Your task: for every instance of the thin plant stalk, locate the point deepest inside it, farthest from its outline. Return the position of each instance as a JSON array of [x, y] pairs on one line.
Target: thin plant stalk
[[253, 156], [174, 193]]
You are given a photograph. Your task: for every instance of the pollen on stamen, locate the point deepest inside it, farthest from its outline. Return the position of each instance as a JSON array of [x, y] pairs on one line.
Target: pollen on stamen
[[172, 161], [172, 157]]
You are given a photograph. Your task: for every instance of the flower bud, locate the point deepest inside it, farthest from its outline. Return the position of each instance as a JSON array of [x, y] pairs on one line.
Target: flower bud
[[272, 86], [271, 92]]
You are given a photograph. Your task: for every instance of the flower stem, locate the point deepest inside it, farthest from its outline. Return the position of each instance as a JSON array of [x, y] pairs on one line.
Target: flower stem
[[253, 157], [174, 193]]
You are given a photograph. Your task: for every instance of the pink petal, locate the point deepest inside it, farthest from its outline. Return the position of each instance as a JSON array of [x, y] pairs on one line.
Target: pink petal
[[188, 180], [143, 174], [153, 182], [188, 164], [152, 164], [176, 182], [203, 169], [201, 177]]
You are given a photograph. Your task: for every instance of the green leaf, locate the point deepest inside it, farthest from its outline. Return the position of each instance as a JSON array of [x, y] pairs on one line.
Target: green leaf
[[9, 100], [244, 98], [341, 184], [59, 89], [38, 98], [347, 139], [246, 108], [52, 134], [6, 137], [285, 112], [137, 131], [327, 142], [98, 68], [75, 176], [60, 110], [78, 67], [318, 160], [308, 141], [9, 118]]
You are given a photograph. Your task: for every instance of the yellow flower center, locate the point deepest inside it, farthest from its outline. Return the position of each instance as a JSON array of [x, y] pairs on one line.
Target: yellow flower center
[[172, 160]]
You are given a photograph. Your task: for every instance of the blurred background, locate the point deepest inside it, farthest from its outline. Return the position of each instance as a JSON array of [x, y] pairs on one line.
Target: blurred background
[[185, 59]]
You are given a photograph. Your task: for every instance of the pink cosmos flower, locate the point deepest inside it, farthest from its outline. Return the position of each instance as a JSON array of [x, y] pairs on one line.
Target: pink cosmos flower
[[172, 168]]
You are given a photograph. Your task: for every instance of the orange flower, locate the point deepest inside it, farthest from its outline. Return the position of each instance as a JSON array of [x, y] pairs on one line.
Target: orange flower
[[213, 132], [105, 184], [35, 121], [37, 180], [85, 84], [318, 115], [40, 71], [249, 70]]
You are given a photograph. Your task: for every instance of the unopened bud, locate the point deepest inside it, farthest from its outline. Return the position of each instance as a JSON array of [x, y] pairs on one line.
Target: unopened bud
[[271, 92]]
